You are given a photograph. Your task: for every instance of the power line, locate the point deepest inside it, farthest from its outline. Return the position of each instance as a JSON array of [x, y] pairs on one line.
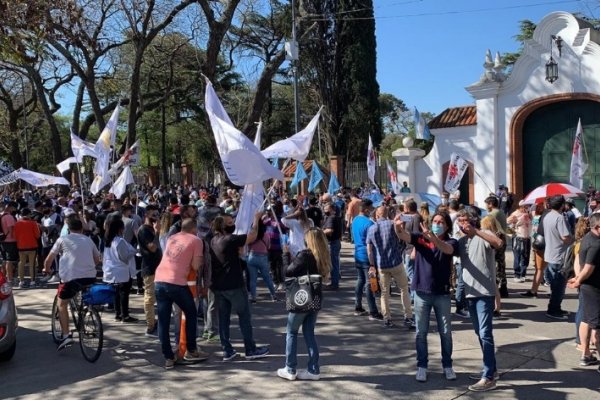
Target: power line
[[430, 14]]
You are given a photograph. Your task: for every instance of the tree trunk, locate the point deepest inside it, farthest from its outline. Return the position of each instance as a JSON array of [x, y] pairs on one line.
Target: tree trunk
[[163, 144], [134, 90]]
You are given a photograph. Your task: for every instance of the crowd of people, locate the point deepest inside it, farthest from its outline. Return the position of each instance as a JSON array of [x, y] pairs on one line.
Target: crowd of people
[[159, 242]]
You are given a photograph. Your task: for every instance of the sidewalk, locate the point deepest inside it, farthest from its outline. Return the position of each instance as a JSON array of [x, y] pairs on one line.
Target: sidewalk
[[360, 358]]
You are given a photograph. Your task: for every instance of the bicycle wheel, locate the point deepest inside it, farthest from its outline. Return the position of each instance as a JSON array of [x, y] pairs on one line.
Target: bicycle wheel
[[56, 328], [91, 334]]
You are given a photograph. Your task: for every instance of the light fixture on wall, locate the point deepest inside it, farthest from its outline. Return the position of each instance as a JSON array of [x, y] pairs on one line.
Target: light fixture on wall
[[552, 65]]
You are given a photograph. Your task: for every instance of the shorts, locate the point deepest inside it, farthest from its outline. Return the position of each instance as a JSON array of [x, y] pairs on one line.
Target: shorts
[[68, 290], [10, 252], [591, 305]]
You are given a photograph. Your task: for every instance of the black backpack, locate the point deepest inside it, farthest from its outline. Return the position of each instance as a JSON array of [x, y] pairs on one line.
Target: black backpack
[[568, 266]]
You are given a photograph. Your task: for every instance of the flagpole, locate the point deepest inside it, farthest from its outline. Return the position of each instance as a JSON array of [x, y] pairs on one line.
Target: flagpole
[[587, 158], [80, 183], [477, 173]]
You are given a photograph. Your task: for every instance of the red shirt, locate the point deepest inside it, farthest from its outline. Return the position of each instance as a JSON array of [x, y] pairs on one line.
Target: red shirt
[[27, 233]]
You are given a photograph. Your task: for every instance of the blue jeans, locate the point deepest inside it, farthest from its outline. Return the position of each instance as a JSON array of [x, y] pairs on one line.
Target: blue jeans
[[558, 284], [440, 303], [234, 300], [410, 272], [482, 312], [166, 295], [521, 252], [362, 272], [334, 249], [459, 295], [259, 264], [308, 322], [578, 318]]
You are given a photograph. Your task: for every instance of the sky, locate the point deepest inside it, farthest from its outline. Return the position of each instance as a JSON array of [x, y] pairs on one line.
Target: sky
[[428, 51]]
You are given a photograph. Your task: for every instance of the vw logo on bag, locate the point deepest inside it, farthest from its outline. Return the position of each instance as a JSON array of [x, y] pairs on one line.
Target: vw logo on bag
[[301, 297]]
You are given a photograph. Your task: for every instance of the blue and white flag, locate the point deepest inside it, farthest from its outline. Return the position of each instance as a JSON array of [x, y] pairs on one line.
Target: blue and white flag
[[421, 128], [275, 162], [299, 175], [371, 161], [334, 184], [316, 176]]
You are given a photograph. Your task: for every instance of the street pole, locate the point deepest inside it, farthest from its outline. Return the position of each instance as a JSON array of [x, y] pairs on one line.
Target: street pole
[[24, 122], [295, 72]]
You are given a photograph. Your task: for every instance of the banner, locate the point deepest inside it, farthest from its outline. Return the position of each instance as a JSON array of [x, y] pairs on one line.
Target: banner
[[316, 176], [81, 148], [393, 177], [64, 166], [421, 128], [299, 175], [105, 143], [578, 167], [334, 184], [33, 178], [371, 161], [297, 146], [241, 159], [120, 185], [456, 170], [130, 157]]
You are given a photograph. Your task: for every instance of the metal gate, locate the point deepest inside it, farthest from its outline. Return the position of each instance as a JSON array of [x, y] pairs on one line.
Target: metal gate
[[355, 173]]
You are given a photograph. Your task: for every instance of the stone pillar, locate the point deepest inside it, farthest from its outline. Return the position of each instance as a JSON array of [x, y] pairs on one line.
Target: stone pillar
[[405, 164], [336, 165]]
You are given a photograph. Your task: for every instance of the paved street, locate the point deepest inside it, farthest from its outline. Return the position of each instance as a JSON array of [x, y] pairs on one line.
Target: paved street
[[359, 358]]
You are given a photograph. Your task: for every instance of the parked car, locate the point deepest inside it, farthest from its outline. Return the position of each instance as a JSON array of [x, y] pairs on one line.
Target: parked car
[[8, 320]]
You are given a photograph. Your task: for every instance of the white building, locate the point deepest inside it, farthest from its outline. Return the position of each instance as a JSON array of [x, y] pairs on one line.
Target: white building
[[520, 131]]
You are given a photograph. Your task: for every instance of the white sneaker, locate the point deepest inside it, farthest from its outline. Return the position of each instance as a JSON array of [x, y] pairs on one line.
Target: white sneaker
[[421, 374], [450, 374], [54, 279], [305, 375], [280, 288], [285, 374]]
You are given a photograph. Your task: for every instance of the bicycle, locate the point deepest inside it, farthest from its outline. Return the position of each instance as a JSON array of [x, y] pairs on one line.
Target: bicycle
[[87, 323]]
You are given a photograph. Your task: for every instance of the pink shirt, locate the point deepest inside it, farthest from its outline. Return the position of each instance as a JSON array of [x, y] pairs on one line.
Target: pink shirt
[[177, 258], [8, 223]]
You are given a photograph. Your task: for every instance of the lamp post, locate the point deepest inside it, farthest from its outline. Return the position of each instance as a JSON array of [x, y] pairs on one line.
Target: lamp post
[[293, 56], [552, 65]]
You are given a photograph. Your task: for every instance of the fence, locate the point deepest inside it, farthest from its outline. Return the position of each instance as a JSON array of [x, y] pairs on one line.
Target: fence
[[356, 172]]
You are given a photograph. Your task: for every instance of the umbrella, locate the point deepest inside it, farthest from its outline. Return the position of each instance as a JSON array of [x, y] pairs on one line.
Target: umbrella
[[551, 189], [433, 200]]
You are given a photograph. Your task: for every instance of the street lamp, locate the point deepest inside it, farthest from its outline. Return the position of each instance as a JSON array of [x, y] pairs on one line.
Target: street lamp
[[552, 65]]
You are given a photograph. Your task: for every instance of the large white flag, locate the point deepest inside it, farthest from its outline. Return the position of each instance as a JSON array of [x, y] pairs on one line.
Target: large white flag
[[99, 182], [578, 167], [252, 199], [66, 164], [120, 185], [297, 146], [105, 143], [456, 170], [33, 178], [371, 161], [393, 177], [81, 148], [241, 159], [130, 157]]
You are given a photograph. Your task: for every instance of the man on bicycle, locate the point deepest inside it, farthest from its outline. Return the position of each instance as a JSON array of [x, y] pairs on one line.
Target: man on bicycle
[[78, 259]]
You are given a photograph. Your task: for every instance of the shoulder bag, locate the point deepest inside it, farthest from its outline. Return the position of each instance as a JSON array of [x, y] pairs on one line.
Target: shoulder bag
[[303, 293]]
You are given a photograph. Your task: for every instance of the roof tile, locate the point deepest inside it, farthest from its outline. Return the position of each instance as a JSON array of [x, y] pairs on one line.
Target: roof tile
[[455, 116]]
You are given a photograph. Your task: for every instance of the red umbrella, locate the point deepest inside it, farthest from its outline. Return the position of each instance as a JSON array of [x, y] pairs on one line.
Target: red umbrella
[[551, 189]]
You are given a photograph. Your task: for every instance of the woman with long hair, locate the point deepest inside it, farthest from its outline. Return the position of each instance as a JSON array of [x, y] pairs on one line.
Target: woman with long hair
[[424, 213], [491, 224], [314, 260], [166, 220], [118, 266], [258, 262], [298, 223]]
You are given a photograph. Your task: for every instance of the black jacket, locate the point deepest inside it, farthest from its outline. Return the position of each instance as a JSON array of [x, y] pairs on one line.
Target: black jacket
[[304, 260]]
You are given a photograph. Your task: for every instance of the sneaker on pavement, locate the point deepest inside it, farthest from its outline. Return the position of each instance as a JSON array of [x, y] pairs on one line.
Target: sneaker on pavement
[[483, 385], [450, 374], [375, 317], [410, 323], [528, 293], [170, 363], [462, 314], [152, 332], [421, 374], [388, 323], [197, 355], [229, 355], [54, 279], [588, 360], [557, 315], [478, 377], [516, 279], [257, 353], [359, 311], [306, 375], [280, 288], [212, 338], [32, 285], [22, 285], [65, 342], [522, 279], [130, 320], [286, 374]]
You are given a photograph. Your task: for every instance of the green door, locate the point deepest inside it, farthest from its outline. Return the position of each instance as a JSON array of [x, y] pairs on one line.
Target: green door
[[548, 136]]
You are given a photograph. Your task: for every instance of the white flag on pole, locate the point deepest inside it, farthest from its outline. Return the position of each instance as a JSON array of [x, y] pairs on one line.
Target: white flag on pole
[[241, 159], [99, 182], [105, 143], [120, 185], [81, 148], [371, 161], [66, 164], [456, 170], [252, 199], [297, 146], [130, 157], [578, 167]]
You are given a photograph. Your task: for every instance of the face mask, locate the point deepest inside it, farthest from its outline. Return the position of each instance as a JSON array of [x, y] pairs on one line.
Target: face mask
[[444, 201], [230, 229], [437, 229]]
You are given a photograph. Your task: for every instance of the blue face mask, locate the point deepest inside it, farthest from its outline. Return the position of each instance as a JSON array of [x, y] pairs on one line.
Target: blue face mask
[[437, 229]]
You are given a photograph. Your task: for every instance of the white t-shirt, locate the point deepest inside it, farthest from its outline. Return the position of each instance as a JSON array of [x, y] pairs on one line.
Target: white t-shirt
[[77, 253], [296, 242]]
